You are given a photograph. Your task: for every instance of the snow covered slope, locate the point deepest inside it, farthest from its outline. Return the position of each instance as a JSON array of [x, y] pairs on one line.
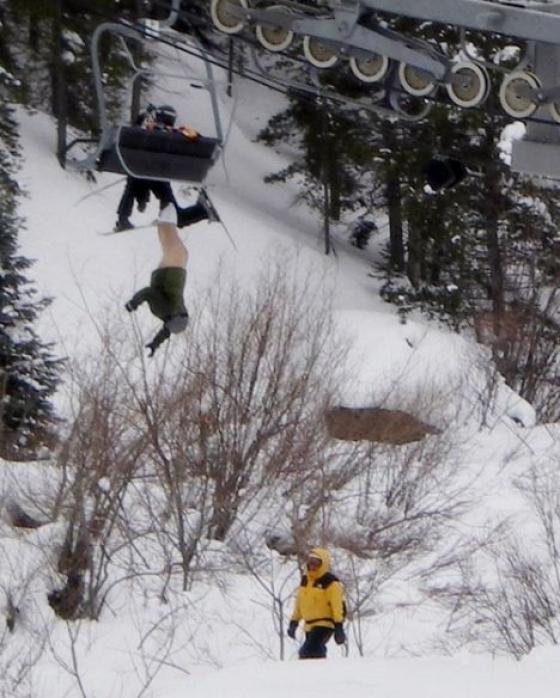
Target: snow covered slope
[[463, 677], [391, 364]]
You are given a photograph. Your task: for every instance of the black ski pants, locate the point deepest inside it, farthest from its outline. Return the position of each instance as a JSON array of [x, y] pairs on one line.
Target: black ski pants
[[139, 190], [315, 645]]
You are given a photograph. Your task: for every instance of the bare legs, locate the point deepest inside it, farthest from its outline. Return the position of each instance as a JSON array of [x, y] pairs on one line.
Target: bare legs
[[174, 252]]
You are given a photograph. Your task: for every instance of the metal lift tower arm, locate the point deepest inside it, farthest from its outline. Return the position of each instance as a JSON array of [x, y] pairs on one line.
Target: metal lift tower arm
[[520, 22]]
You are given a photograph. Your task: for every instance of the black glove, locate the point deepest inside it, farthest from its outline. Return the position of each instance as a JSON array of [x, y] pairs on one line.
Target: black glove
[[130, 306], [339, 634], [160, 337], [292, 629]]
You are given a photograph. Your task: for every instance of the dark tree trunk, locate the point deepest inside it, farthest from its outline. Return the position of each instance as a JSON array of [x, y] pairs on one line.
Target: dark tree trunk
[[59, 87], [415, 259], [436, 262], [326, 216], [34, 34], [328, 177], [136, 103], [492, 209], [335, 200], [495, 262], [394, 208]]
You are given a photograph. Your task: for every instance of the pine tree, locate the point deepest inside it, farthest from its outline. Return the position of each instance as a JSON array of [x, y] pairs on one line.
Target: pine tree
[[480, 255], [324, 138], [28, 372], [330, 166]]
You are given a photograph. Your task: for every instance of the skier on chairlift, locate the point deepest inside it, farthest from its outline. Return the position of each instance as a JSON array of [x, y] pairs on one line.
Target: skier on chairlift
[[139, 190]]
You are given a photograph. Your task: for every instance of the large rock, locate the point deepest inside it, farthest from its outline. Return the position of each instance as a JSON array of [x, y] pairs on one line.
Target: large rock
[[376, 424]]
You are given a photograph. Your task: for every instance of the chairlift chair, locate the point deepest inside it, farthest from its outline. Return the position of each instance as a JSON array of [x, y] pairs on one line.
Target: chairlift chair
[[157, 154]]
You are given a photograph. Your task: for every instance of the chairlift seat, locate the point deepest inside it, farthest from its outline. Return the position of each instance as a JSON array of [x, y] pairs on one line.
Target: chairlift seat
[[159, 154]]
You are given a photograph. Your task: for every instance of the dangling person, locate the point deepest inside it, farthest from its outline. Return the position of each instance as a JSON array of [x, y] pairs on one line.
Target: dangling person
[[164, 295]]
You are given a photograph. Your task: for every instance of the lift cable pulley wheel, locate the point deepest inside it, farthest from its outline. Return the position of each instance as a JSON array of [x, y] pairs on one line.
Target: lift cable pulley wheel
[[224, 20], [275, 37], [468, 85], [518, 94], [414, 81], [319, 53], [371, 68]]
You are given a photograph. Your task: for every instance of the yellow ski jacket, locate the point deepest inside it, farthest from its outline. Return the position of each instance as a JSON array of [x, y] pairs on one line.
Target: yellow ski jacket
[[319, 598]]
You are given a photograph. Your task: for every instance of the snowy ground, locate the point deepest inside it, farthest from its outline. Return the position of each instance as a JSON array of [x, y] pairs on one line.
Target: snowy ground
[[88, 275], [463, 677]]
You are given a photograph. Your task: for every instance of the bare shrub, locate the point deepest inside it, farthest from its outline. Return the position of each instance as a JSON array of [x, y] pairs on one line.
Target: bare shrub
[[162, 458], [506, 593], [525, 343], [406, 503], [99, 457], [277, 581], [27, 563], [240, 416], [510, 608]]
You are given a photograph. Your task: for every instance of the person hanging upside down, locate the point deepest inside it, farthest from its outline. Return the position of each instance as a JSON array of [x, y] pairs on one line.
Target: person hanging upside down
[[164, 295]]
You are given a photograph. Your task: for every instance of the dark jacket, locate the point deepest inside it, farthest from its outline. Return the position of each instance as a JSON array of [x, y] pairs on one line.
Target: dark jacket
[[164, 295]]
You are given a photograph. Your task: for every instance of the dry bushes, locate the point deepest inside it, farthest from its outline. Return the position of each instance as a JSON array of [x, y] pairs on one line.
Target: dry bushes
[[161, 458], [503, 593]]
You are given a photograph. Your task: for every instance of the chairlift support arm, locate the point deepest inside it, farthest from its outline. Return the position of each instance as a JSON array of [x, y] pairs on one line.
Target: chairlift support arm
[[121, 29], [173, 16], [132, 33], [530, 23]]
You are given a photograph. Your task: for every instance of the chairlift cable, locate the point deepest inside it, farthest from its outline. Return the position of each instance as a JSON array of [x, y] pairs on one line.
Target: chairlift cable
[[297, 90], [300, 91], [492, 112]]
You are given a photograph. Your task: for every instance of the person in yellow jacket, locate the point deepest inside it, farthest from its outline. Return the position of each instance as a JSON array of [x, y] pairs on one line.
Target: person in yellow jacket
[[319, 603]]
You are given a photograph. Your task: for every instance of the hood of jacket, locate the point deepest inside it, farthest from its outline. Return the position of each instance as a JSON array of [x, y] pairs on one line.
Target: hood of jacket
[[325, 565]]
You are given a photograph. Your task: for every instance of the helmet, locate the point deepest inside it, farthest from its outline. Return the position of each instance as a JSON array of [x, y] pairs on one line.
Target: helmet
[[165, 115]]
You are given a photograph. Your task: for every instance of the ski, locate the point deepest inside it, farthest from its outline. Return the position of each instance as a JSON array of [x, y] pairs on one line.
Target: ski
[[229, 235], [214, 216], [205, 200], [98, 190], [152, 224]]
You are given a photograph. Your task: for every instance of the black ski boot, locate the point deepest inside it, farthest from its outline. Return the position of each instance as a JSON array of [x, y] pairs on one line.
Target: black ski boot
[[204, 200], [123, 224]]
